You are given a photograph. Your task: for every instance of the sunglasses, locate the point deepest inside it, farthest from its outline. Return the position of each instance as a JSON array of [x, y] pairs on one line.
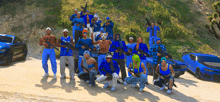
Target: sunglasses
[[108, 58]]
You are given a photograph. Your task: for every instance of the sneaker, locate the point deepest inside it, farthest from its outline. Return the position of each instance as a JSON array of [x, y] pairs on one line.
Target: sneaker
[[54, 76], [141, 89], [113, 88], [134, 85], [125, 83], [63, 76], [169, 91], [106, 85], [87, 81], [162, 88], [45, 75], [90, 84]]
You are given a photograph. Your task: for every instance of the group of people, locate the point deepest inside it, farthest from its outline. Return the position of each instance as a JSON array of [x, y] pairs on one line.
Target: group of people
[[112, 53]]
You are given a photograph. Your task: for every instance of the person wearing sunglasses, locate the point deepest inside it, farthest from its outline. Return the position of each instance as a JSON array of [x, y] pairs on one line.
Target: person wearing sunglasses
[[107, 67], [82, 49]]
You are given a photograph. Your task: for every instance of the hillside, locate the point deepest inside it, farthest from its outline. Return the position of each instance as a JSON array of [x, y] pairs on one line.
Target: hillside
[[182, 29]]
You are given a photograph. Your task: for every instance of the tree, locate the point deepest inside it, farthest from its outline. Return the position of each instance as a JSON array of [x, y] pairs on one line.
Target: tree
[[215, 15], [212, 25], [208, 27], [210, 18]]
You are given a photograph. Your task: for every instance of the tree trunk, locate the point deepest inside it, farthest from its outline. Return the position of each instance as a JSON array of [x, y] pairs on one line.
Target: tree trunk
[[216, 35], [218, 25]]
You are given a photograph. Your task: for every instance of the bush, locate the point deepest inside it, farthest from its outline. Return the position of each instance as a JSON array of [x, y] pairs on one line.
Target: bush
[[215, 15]]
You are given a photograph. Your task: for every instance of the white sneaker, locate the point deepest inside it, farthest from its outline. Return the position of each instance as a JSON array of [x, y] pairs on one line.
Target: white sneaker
[[169, 91], [54, 76], [162, 88], [63, 76], [87, 81], [141, 89], [45, 75], [125, 83]]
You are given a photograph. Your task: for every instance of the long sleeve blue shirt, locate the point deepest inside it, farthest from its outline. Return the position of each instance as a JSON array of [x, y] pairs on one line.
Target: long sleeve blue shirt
[[132, 47], [85, 41], [85, 19], [72, 16], [154, 53], [109, 28], [117, 55], [79, 20], [156, 28], [97, 25], [106, 66], [143, 47]]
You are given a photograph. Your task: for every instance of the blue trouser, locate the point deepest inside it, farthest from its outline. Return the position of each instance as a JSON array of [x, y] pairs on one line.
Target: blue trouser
[[91, 77], [73, 31], [79, 64], [49, 53], [128, 61], [134, 80], [151, 40], [101, 57], [160, 81], [145, 64]]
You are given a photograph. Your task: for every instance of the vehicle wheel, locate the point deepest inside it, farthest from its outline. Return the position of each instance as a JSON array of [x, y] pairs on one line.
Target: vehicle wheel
[[9, 57], [198, 73], [25, 54], [150, 69]]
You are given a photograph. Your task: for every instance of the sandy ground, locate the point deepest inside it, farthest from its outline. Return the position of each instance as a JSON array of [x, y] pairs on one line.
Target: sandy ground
[[22, 81]]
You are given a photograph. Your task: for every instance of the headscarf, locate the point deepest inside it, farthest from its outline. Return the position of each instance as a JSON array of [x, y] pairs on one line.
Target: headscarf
[[137, 60], [84, 59], [158, 39], [120, 42], [96, 15], [102, 30]]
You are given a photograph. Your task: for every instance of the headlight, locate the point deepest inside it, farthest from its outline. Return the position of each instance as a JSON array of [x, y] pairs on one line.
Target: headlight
[[183, 66], [208, 70], [2, 50]]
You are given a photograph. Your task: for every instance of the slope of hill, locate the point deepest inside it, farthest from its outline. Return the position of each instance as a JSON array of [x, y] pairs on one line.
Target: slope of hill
[[182, 28]]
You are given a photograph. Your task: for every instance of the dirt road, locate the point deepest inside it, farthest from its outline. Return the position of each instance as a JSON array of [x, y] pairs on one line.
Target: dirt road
[[22, 81]]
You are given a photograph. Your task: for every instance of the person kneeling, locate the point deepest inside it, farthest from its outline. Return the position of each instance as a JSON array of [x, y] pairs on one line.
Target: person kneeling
[[110, 69], [90, 68], [139, 73], [164, 75]]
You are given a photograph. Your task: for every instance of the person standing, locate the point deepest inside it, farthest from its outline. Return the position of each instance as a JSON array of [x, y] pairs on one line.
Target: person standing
[[66, 55], [72, 18], [97, 25], [109, 28], [79, 22], [153, 33], [130, 45], [156, 55], [49, 52], [117, 56], [87, 19]]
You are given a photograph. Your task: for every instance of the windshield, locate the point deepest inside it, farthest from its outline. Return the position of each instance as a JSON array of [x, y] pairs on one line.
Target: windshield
[[208, 59], [6, 39]]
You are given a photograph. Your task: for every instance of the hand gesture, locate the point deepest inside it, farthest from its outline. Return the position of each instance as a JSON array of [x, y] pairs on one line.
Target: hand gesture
[[116, 51], [83, 47], [41, 40], [158, 54], [106, 24], [46, 45]]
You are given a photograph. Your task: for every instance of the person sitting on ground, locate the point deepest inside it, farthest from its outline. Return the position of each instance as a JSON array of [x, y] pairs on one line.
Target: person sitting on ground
[[111, 67], [137, 67], [165, 71], [90, 64]]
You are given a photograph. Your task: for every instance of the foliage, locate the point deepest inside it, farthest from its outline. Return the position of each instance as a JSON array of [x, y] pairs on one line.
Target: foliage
[[210, 18], [207, 26], [215, 15]]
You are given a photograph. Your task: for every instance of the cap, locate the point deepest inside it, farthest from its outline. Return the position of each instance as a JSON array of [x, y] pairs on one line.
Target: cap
[[158, 39], [107, 18], [65, 30], [87, 10], [131, 38], [84, 31], [75, 10], [78, 12], [108, 55], [48, 28], [96, 16]]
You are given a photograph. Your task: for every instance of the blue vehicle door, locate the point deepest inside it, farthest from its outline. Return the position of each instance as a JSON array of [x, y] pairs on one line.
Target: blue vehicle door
[[192, 62], [18, 47]]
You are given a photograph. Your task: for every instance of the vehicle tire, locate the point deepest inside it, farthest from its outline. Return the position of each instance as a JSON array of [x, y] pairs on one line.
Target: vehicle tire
[[9, 57], [150, 69], [198, 73], [25, 54]]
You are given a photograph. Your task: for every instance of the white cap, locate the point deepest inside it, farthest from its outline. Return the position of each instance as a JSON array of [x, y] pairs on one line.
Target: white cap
[[85, 28], [109, 55], [78, 12], [65, 30], [96, 16], [48, 28], [131, 38], [75, 10]]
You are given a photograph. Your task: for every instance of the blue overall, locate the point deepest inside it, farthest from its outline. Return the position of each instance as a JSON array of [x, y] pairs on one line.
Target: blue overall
[[109, 29], [134, 80], [164, 73], [143, 47], [49, 53], [129, 58], [91, 77], [81, 51], [152, 37], [101, 58], [63, 50], [73, 27]]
